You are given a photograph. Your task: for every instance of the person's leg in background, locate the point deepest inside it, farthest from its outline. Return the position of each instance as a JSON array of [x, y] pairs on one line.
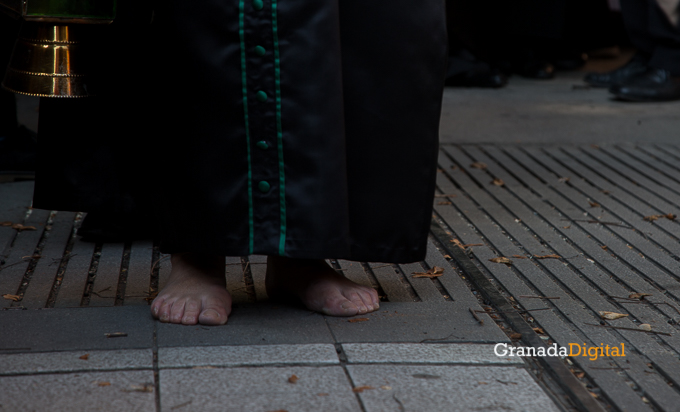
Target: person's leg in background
[[657, 37]]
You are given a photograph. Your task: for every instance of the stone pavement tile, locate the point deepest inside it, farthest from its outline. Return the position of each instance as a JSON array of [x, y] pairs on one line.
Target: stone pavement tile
[[467, 353], [265, 389], [314, 354], [448, 388], [251, 324], [25, 363], [42, 330], [415, 322], [91, 391]]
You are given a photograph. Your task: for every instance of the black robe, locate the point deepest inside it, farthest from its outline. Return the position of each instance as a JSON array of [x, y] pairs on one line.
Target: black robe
[[280, 127]]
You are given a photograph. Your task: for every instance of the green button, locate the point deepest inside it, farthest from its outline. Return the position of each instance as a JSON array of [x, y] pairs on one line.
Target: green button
[[258, 4], [260, 51], [262, 145], [263, 186], [261, 96]]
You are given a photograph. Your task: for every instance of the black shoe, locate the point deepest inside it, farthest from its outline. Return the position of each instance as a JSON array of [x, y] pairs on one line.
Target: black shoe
[[465, 70], [654, 85], [535, 69], [490, 78], [637, 65]]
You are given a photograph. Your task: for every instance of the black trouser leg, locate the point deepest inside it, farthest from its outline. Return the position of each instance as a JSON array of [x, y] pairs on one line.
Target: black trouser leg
[[652, 33]]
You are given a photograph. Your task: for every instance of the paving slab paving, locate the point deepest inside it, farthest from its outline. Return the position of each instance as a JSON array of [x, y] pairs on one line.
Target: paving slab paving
[[449, 353], [448, 388], [75, 361], [89, 391], [248, 355], [41, 330], [252, 324], [258, 389], [422, 322]]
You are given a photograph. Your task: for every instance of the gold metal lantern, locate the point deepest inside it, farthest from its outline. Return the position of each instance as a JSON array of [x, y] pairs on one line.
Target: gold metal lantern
[[52, 56]]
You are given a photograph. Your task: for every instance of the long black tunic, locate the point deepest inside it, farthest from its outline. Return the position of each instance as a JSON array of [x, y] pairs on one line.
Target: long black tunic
[[298, 128]]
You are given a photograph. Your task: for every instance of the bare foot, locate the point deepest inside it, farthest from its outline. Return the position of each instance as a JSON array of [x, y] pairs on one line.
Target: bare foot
[[195, 293], [319, 287]]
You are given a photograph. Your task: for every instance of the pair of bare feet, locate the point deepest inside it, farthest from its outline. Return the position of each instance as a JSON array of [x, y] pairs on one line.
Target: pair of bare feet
[[196, 290]]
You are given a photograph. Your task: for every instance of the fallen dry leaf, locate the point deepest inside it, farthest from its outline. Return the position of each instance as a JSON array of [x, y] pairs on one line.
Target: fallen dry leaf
[[6, 223], [515, 336], [20, 227], [498, 182], [604, 247], [671, 216], [434, 272], [501, 260], [482, 383], [538, 330], [580, 375], [385, 387], [293, 379], [478, 165], [14, 298], [358, 320], [519, 257], [553, 256], [594, 204], [103, 383], [645, 326], [444, 203], [638, 296], [611, 315], [566, 227], [85, 356], [462, 246], [652, 218], [360, 389]]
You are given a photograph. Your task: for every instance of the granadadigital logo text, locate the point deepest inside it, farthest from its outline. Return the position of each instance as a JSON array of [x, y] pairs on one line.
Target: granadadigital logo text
[[574, 349]]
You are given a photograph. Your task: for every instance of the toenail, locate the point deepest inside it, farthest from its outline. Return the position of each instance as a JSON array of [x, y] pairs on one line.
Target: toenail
[[348, 305]]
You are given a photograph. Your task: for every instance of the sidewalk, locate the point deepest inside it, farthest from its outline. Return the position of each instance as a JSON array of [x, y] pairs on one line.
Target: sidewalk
[[582, 206]]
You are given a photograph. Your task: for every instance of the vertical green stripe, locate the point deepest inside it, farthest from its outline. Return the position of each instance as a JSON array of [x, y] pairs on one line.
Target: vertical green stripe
[[241, 33], [279, 133]]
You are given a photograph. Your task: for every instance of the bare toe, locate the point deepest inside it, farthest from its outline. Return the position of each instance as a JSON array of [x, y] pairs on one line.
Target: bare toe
[[191, 312], [318, 286], [195, 292], [177, 311]]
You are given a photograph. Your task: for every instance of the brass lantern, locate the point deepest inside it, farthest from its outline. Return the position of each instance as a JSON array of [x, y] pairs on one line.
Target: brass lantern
[[50, 57]]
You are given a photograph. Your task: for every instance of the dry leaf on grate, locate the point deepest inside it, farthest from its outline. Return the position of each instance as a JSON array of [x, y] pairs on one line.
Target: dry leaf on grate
[[553, 256], [638, 296], [501, 260], [434, 272], [478, 165], [611, 315]]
